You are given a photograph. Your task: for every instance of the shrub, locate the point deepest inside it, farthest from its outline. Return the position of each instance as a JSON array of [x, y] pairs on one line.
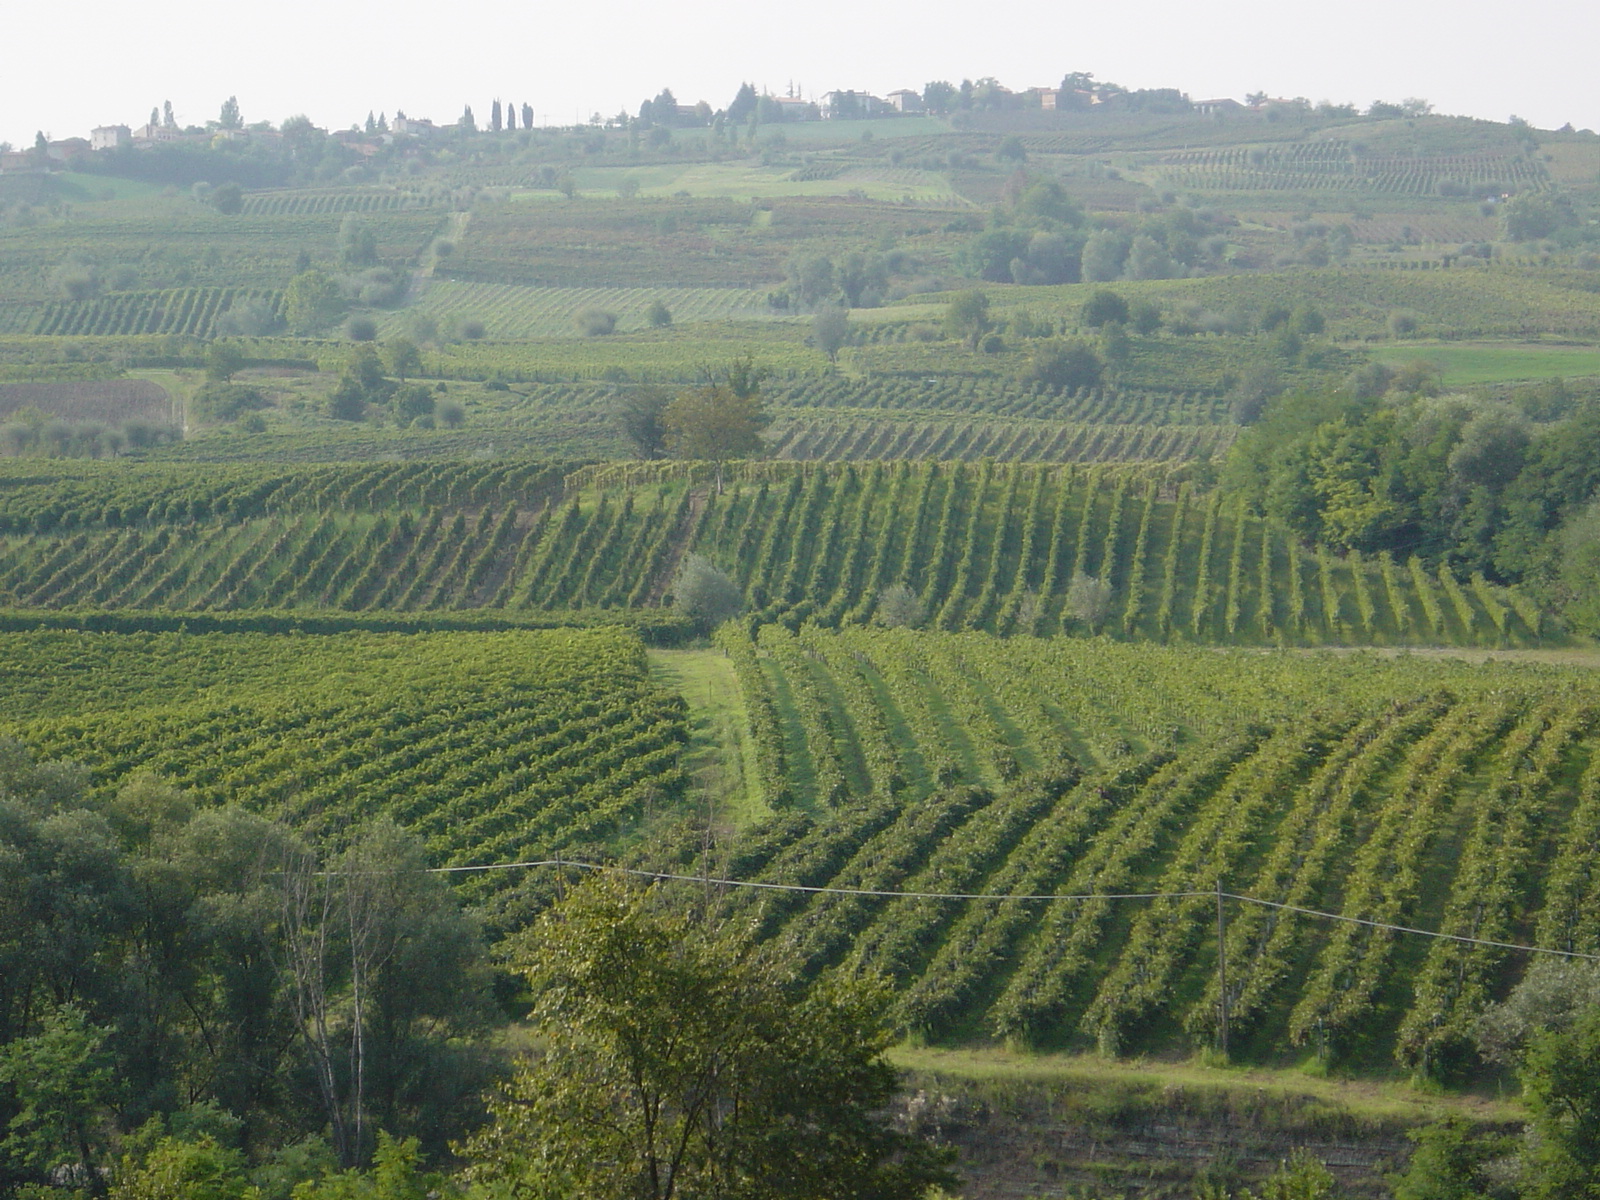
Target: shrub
[[1068, 366], [225, 401], [410, 401], [704, 593], [228, 199], [1103, 306], [1088, 599], [1402, 323], [361, 329], [596, 322], [248, 318], [899, 608]]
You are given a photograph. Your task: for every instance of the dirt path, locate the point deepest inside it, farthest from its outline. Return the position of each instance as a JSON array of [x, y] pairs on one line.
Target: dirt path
[[680, 546]]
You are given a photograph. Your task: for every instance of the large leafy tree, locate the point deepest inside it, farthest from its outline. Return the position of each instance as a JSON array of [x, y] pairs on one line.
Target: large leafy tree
[[967, 317], [719, 421], [684, 1061]]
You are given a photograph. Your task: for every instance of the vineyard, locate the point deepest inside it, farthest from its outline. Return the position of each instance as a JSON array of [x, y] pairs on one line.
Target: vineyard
[[490, 746], [1337, 166], [840, 437], [511, 312], [108, 400], [191, 312], [306, 202], [678, 241], [1459, 303], [172, 244], [994, 396], [1432, 795], [983, 547], [1414, 792]]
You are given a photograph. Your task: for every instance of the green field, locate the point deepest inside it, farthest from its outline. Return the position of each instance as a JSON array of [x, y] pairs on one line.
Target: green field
[[1464, 365]]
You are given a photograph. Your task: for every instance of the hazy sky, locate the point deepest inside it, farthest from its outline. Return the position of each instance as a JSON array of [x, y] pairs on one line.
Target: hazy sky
[[93, 62]]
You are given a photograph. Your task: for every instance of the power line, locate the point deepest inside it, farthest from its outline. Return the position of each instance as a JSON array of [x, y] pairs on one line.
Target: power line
[[1040, 898]]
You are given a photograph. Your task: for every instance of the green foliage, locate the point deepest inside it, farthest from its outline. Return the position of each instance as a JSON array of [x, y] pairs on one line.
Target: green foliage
[[596, 322], [1559, 1077], [1467, 483], [898, 607], [223, 361], [967, 317], [358, 243], [714, 423], [225, 401], [1102, 306], [682, 1061], [1449, 1161], [640, 412], [412, 402], [227, 199], [1529, 216], [1302, 1177], [1069, 366], [312, 302], [180, 1169], [401, 358], [1088, 600], [63, 1077], [830, 329], [396, 1174], [704, 593]]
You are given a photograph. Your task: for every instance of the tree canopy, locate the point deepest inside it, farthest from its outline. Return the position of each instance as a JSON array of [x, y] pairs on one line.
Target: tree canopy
[[718, 421], [679, 1060]]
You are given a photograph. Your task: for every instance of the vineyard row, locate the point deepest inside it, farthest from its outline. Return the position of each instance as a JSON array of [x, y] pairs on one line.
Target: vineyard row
[[966, 764], [1015, 549]]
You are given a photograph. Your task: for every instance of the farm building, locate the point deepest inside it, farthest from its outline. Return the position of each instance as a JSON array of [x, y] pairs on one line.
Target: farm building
[[109, 137]]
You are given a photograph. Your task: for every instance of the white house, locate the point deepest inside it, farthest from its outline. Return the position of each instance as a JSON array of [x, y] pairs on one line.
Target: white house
[[109, 137], [905, 100]]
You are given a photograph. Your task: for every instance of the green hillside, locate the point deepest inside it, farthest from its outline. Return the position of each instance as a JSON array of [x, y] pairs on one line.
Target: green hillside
[[1121, 574], [1427, 794], [982, 547], [490, 747]]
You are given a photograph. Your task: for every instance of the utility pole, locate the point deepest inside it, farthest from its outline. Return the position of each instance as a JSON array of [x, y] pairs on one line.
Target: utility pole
[[1222, 974]]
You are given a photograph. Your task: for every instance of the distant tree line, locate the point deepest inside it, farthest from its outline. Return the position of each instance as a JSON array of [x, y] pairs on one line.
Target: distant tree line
[[1508, 485]]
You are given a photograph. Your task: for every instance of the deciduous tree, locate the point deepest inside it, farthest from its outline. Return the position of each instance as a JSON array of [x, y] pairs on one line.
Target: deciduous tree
[[715, 423], [967, 317], [830, 329], [681, 1061]]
